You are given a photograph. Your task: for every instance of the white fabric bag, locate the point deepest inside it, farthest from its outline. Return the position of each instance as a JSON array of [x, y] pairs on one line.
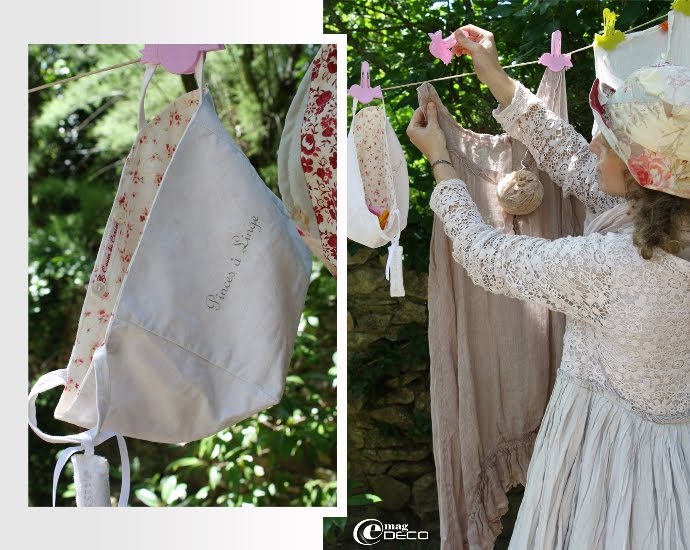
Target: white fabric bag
[[192, 309], [650, 46], [657, 44], [639, 49], [377, 181]]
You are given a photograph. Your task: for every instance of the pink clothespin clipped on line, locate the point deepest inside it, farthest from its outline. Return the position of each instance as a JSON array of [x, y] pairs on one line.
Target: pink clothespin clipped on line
[[176, 58], [440, 47], [555, 60], [363, 92]]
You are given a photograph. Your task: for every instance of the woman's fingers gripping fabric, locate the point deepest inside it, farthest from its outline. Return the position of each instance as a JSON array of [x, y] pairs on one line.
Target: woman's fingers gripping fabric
[[469, 39]]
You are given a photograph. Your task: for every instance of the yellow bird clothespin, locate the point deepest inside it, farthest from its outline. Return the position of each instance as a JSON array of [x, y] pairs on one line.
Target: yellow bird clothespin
[[611, 37], [682, 6]]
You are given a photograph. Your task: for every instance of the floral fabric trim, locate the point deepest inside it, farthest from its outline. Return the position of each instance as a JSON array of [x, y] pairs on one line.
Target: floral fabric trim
[[319, 151], [374, 164], [141, 178]]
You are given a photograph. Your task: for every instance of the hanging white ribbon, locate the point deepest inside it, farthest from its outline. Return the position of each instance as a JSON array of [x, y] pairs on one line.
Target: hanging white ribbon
[[86, 441], [89, 442], [394, 272]]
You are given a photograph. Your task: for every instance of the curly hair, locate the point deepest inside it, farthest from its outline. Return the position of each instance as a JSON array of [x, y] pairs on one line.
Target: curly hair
[[658, 218]]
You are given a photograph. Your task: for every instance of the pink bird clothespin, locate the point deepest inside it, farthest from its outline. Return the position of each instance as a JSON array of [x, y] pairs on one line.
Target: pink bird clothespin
[[555, 60], [363, 92], [176, 58], [440, 47]]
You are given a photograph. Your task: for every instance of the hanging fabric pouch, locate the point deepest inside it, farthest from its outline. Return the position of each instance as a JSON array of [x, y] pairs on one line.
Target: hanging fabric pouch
[[307, 157], [193, 305], [377, 187]]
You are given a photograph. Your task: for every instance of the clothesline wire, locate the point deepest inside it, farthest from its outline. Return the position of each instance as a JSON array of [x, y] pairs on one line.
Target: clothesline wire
[[82, 75], [132, 61], [451, 77]]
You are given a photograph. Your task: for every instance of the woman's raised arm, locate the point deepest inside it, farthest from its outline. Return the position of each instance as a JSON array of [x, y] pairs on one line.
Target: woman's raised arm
[[556, 146]]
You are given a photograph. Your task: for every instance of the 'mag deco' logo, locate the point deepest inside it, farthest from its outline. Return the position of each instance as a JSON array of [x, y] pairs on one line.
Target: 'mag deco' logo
[[371, 531]]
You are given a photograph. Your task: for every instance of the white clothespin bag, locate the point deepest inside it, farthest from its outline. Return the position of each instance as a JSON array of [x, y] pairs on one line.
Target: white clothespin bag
[[655, 45], [377, 188], [193, 305]]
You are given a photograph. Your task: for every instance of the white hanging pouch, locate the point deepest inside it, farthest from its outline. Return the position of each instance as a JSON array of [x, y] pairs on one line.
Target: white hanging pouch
[[377, 188], [193, 305]]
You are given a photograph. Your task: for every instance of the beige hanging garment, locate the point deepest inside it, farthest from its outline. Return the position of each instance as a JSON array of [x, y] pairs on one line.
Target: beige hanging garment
[[493, 359]]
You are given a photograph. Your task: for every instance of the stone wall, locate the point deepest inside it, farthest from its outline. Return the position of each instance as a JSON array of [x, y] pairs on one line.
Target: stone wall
[[389, 422]]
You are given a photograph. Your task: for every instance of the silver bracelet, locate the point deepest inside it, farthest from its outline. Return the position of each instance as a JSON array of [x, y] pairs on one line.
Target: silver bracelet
[[440, 161]]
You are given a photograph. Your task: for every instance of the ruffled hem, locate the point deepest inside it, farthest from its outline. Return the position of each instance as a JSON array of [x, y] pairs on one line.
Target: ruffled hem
[[505, 469]]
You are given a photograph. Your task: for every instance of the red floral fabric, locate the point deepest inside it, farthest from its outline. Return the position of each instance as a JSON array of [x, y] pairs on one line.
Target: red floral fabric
[[319, 149]]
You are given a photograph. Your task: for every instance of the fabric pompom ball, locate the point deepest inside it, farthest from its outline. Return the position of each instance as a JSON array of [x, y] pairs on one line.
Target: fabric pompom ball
[[520, 192]]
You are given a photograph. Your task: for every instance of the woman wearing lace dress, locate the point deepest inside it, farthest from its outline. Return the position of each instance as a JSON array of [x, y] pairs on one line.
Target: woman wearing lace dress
[[611, 463]]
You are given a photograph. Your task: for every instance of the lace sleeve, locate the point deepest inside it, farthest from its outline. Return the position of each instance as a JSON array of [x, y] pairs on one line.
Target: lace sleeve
[[557, 148], [570, 275]]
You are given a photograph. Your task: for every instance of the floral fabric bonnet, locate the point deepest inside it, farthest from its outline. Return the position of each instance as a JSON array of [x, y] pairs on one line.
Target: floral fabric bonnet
[[647, 122]]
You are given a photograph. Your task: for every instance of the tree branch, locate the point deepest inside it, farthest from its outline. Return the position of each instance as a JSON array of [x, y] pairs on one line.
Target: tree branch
[[405, 20], [355, 44], [247, 58]]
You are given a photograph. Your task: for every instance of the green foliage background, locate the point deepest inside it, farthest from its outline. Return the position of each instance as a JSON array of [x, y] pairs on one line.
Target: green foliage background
[[79, 135], [392, 37]]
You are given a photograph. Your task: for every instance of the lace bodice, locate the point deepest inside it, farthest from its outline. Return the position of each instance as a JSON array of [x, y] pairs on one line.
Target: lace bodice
[[628, 319], [557, 148]]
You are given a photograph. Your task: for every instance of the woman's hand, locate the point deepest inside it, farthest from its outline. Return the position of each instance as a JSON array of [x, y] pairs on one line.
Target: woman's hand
[[426, 135], [479, 44]]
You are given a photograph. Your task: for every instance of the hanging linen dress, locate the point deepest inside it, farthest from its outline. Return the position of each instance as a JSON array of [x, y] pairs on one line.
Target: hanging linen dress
[[610, 465], [493, 359]]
